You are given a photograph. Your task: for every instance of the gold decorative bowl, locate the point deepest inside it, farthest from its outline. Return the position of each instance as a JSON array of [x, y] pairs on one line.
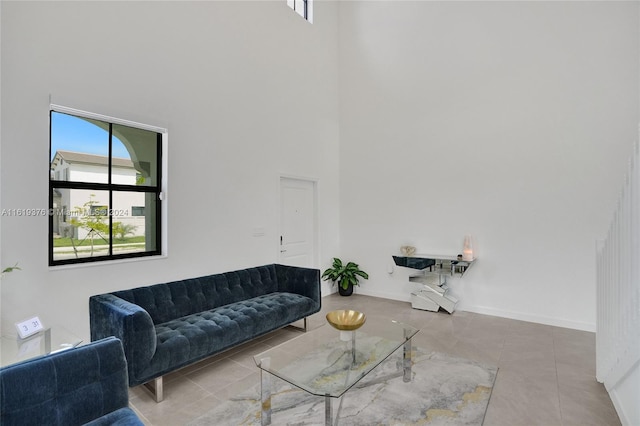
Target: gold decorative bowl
[[346, 320]]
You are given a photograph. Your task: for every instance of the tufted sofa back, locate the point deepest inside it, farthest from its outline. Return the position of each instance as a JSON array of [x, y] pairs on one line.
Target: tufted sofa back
[[176, 299], [67, 388]]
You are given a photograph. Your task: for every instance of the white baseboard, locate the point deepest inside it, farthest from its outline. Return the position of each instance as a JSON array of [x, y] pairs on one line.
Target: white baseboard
[[557, 322], [624, 399], [620, 409], [624, 394], [383, 295]]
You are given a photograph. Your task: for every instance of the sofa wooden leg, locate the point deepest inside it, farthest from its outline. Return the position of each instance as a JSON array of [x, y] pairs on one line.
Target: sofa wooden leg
[[156, 388]]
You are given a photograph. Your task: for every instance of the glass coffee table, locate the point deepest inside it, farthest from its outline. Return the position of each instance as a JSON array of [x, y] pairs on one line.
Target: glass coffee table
[[327, 362]]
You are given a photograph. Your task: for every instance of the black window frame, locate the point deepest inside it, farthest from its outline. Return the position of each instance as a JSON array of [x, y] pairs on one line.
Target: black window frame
[[110, 188], [306, 9]]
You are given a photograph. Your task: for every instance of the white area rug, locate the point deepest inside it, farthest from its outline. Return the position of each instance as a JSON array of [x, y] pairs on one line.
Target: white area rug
[[444, 391]]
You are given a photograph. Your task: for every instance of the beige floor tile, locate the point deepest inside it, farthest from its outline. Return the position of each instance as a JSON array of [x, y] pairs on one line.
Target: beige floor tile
[[180, 393], [219, 374], [245, 357], [546, 374], [282, 336], [583, 400], [521, 400], [527, 362], [203, 405], [479, 350], [576, 351], [242, 385]]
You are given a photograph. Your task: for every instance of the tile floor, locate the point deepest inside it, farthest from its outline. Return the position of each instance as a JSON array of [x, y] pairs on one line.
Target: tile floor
[[546, 374]]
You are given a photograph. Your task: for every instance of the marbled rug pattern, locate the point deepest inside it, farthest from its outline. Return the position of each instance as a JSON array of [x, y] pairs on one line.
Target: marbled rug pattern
[[444, 390]]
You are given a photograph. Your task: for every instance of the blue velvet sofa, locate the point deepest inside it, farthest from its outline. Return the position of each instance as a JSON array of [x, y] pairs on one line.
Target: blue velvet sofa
[[167, 326], [83, 385]]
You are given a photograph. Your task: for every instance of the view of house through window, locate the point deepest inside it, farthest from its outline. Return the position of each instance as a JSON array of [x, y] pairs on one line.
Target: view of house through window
[[104, 190]]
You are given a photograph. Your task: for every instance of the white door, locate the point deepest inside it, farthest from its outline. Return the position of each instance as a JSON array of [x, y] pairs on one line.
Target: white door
[[297, 222]]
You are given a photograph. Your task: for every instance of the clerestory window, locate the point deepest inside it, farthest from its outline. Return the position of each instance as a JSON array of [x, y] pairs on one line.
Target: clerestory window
[[100, 168], [303, 8]]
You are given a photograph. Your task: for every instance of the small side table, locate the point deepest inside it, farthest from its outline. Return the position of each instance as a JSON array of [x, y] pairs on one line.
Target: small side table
[[434, 291], [48, 341]]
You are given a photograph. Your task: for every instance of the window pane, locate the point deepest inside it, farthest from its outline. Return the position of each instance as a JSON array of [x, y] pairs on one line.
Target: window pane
[[300, 6], [81, 224], [134, 222], [137, 157], [137, 210], [93, 162], [79, 149]]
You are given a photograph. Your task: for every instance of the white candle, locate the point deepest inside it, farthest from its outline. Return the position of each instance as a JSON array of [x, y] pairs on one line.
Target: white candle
[[467, 250]]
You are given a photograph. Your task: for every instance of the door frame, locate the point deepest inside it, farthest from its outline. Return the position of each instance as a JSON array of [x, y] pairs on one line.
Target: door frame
[[315, 255]]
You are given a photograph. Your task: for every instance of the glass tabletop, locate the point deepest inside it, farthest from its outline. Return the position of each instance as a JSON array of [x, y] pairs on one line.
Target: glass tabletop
[[45, 342], [327, 362]]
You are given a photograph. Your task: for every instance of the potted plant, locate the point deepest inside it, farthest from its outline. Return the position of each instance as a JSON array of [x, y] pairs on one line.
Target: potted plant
[[346, 276]]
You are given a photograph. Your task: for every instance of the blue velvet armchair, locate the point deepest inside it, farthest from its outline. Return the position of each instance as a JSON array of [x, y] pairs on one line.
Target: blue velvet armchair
[[84, 385]]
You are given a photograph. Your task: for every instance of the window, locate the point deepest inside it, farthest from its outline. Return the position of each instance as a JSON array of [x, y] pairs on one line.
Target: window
[[304, 8], [98, 210], [137, 210], [99, 168]]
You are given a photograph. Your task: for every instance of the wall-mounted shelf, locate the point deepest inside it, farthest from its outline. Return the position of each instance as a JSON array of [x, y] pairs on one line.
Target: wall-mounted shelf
[[432, 277]]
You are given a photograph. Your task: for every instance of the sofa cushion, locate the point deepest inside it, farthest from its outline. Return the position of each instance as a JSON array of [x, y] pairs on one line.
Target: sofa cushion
[[196, 336], [176, 299]]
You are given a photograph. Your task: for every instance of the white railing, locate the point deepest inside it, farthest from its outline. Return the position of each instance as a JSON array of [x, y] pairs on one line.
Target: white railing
[[618, 286]]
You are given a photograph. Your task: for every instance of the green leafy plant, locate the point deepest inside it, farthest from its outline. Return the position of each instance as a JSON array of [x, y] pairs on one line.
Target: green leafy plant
[[122, 230], [10, 269], [92, 218], [344, 275]]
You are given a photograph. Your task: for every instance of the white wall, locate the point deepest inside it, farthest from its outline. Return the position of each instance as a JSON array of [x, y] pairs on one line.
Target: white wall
[[247, 91], [510, 121]]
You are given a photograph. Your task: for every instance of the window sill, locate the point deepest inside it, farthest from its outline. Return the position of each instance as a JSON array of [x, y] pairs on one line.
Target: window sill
[[107, 262]]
